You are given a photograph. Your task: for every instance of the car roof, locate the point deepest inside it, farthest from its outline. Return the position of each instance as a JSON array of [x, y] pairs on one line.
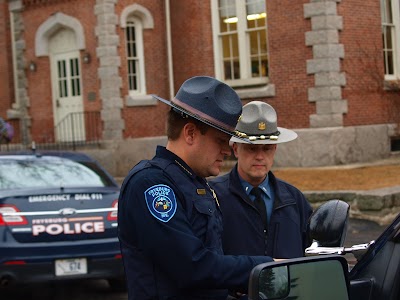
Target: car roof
[[76, 156]]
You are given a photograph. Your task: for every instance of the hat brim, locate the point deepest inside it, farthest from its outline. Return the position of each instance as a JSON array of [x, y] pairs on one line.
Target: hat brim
[[286, 135], [194, 116]]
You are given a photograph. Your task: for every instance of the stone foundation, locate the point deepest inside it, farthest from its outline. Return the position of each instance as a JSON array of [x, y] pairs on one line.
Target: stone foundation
[[380, 206]]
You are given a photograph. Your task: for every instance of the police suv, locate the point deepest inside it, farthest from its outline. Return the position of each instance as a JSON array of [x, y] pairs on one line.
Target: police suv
[[58, 219]]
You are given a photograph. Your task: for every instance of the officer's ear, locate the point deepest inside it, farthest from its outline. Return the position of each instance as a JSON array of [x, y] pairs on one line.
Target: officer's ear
[[189, 132], [235, 149]]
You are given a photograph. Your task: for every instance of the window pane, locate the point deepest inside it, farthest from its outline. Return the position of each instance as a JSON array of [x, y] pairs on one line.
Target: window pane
[[255, 6], [389, 42], [243, 39], [256, 13], [132, 74], [230, 46], [75, 80], [257, 36], [132, 58], [228, 17], [256, 23], [259, 66], [232, 69], [228, 25], [50, 172], [230, 51], [62, 80], [229, 38], [130, 42], [386, 12], [388, 36], [258, 53], [61, 88], [390, 69]]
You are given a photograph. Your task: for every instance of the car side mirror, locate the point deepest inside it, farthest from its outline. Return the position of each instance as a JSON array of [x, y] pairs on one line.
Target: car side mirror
[[328, 223], [311, 278]]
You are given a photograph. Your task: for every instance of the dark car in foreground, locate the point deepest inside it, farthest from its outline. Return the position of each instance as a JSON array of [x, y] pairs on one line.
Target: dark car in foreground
[[58, 219], [326, 274]]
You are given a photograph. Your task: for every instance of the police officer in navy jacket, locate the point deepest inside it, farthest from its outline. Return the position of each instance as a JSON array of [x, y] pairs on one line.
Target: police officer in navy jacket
[[169, 219], [280, 227]]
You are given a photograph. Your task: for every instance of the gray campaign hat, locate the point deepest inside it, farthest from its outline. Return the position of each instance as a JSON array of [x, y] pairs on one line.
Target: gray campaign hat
[[209, 101], [258, 124]]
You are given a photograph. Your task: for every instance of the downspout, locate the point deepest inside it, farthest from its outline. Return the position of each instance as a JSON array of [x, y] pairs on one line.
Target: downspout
[[14, 62], [169, 50], [16, 103]]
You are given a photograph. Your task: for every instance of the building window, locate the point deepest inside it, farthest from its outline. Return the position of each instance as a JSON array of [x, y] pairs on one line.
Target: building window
[[240, 40], [75, 77], [134, 19], [68, 78], [135, 57], [390, 11]]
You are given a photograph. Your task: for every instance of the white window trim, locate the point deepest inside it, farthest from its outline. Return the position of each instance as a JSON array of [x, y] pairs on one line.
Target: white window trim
[[140, 54], [396, 21], [395, 6], [244, 63], [139, 11], [144, 20], [51, 25]]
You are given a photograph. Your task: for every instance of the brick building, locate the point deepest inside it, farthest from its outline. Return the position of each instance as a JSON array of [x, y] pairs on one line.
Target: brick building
[[83, 70]]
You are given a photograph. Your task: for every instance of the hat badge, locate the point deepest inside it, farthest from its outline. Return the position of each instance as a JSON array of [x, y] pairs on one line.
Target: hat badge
[[262, 126]]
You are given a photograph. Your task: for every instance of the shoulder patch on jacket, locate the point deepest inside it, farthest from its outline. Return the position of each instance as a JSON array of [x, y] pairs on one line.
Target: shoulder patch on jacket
[[161, 202]]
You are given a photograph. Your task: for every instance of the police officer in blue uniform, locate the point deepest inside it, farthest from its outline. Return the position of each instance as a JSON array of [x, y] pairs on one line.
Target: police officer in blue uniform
[[272, 220], [169, 219]]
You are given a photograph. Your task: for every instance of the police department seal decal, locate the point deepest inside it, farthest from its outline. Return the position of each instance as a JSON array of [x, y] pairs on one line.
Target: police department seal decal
[[161, 202]]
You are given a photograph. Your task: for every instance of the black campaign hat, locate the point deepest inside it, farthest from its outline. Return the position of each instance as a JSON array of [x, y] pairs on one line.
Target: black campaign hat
[[209, 101]]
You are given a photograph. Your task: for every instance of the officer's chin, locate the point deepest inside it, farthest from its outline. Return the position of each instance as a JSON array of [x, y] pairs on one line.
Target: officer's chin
[[215, 171]]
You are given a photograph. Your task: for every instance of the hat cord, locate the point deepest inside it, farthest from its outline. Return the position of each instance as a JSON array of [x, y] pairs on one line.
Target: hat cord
[[272, 136]]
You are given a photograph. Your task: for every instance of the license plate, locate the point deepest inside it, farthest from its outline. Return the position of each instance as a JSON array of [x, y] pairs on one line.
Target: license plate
[[73, 266]]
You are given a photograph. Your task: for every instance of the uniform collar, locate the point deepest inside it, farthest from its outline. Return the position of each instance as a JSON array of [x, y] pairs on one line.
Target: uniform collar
[[164, 153], [265, 186]]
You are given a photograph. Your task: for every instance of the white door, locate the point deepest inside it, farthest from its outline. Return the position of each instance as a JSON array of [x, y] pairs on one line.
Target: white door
[[67, 97]]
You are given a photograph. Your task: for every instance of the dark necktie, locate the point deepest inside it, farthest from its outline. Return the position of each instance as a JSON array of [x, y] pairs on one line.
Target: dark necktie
[[260, 205]]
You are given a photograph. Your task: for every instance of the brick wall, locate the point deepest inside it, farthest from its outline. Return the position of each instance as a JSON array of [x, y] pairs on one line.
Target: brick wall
[[192, 43], [192, 39], [287, 62], [368, 103], [39, 87], [142, 121]]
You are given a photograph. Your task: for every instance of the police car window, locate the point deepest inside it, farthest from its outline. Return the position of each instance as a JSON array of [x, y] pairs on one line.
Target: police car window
[[107, 180], [52, 172]]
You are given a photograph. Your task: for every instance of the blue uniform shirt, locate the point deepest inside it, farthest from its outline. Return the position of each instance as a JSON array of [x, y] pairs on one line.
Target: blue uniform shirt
[[268, 194], [170, 226]]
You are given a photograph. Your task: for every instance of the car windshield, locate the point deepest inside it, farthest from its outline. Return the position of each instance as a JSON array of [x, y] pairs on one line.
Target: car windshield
[[23, 172]]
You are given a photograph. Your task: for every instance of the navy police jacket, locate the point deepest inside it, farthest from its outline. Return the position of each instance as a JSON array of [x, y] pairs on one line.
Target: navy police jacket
[[243, 228], [169, 227]]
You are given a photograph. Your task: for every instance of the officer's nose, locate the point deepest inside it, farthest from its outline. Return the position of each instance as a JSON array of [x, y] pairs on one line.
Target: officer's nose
[[226, 149], [260, 153]]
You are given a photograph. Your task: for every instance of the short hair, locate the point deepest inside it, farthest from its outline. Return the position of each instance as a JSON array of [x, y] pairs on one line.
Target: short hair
[[176, 121]]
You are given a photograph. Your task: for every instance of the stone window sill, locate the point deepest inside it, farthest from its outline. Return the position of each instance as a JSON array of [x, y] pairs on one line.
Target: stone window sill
[[256, 91], [140, 100], [391, 85]]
